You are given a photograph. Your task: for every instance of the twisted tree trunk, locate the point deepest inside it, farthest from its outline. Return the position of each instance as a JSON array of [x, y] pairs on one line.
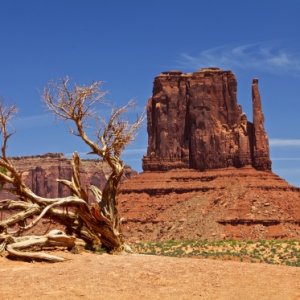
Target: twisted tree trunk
[[98, 222]]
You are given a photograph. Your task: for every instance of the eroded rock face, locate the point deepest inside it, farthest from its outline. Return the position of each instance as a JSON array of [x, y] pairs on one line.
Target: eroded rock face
[[261, 159], [42, 171], [194, 121]]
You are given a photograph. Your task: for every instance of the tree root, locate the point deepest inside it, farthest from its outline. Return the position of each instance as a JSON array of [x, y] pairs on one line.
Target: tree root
[[97, 223], [55, 238]]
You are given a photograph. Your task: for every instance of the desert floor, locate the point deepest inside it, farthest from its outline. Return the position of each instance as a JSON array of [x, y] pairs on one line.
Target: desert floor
[[92, 276]]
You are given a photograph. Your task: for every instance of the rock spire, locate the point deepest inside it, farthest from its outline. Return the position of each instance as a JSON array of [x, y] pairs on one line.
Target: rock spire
[[261, 159]]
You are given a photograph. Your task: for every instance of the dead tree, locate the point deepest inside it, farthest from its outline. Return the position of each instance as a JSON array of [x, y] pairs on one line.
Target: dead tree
[[96, 221]]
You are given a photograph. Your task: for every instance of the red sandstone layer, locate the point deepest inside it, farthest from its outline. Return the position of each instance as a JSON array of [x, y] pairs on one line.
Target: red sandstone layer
[[218, 204]]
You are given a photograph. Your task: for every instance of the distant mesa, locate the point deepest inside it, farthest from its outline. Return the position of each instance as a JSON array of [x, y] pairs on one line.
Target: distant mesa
[[40, 173], [194, 121], [57, 155]]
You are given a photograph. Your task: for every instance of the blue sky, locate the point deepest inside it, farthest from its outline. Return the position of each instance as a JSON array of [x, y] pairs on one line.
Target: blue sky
[[127, 43]]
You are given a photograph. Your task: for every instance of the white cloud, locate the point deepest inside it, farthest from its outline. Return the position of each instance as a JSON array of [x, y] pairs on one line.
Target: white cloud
[[285, 142], [244, 57]]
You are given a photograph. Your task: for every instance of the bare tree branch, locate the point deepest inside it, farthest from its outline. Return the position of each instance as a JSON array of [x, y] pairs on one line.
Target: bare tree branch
[[95, 222], [53, 238], [78, 105], [60, 202], [6, 113]]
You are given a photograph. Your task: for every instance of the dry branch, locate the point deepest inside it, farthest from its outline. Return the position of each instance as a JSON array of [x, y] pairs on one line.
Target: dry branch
[[97, 223], [77, 106], [55, 238]]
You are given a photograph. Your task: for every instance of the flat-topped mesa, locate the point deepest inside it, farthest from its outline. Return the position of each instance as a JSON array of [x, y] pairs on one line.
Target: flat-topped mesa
[[49, 155], [40, 173], [194, 121]]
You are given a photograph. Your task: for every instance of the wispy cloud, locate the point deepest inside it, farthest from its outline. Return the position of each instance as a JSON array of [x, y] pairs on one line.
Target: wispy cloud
[[126, 152], [289, 171], [27, 122], [135, 151], [244, 57], [285, 158], [285, 142]]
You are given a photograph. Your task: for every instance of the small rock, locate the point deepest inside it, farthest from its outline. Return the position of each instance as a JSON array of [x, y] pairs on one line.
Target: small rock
[[223, 236]]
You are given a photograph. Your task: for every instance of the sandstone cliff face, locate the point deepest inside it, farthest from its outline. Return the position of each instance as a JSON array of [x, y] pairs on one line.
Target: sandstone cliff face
[[41, 172], [261, 158], [194, 121]]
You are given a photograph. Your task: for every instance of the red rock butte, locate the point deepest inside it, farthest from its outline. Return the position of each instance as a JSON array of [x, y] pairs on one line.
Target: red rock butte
[[195, 121], [207, 172]]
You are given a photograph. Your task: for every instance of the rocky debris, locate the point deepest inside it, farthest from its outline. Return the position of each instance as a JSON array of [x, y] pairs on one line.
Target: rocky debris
[[194, 121], [216, 204]]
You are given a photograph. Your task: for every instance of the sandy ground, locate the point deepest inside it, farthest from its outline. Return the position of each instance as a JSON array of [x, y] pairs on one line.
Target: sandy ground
[[90, 276]]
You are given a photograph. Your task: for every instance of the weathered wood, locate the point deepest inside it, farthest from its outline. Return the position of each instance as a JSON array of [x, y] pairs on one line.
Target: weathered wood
[[97, 223], [55, 238]]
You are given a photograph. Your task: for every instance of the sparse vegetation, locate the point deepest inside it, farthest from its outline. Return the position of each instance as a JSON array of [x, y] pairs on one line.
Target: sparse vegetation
[[267, 251]]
